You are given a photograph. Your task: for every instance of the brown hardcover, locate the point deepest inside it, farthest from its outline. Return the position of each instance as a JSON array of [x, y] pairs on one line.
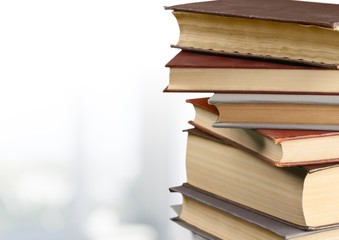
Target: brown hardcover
[[279, 136], [187, 59], [308, 13], [203, 103]]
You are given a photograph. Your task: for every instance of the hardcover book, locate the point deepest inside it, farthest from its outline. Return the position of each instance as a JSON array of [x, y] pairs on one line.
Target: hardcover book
[[287, 30], [279, 147], [277, 111], [214, 219], [197, 72], [306, 197]]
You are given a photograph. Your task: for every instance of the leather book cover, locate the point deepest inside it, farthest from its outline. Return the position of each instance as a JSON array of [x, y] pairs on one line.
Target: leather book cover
[[309, 14], [187, 59], [306, 13], [195, 60], [279, 136], [203, 103], [282, 229]]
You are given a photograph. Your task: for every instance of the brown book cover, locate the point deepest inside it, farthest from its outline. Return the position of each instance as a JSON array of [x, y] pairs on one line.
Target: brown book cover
[[280, 135], [278, 27], [201, 72], [308, 13], [187, 59], [203, 103]]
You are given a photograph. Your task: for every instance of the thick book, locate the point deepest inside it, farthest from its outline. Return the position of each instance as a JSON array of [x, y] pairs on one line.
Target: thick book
[[288, 30], [198, 72], [215, 218], [279, 147], [306, 197], [196, 233], [277, 111]]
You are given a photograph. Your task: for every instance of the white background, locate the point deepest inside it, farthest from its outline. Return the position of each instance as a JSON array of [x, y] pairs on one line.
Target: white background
[[89, 143]]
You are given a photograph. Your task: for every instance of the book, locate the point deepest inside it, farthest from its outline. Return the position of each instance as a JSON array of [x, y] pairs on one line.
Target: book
[[278, 147], [198, 72], [277, 111], [196, 234], [214, 219], [306, 197], [288, 30]]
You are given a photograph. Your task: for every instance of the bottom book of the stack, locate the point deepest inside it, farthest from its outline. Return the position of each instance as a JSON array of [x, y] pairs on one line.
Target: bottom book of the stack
[[211, 217]]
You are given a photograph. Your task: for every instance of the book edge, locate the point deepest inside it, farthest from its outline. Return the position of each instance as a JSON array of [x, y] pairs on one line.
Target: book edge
[[277, 126], [250, 55]]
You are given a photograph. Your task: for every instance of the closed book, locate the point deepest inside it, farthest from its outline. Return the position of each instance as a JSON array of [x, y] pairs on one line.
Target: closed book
[[198, 72], [288, 30], [306, 197], [277, 111], [279, 147], [215, 218]]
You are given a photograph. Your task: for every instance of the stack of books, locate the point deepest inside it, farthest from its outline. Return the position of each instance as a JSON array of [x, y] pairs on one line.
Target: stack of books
[[262, 156]]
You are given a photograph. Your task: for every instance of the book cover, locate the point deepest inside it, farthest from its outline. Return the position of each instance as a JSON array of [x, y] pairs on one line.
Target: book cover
[[187, 59], [198, 72], [272, 31], [301, 12]]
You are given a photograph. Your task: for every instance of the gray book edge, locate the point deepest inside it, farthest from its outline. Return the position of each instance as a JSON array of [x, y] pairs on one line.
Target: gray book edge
[[281, 229], [218, 98], [277, 126], [176, 208]]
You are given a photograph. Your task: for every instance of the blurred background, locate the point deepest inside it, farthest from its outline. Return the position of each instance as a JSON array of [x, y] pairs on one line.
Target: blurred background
[[89, 143]]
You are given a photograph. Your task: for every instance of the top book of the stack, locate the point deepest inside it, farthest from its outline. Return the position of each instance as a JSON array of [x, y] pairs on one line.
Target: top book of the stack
[[296, 31]]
